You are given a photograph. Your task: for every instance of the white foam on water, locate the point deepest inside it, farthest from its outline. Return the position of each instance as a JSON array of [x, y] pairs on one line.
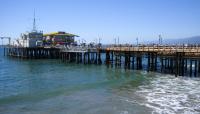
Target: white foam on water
[[124, 112], [170, 95]]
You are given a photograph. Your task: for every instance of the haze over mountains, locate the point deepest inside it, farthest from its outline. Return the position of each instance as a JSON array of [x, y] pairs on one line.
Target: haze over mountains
[[188, 40]]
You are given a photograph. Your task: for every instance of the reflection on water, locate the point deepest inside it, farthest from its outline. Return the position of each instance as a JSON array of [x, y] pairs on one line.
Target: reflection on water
[[49, 86]]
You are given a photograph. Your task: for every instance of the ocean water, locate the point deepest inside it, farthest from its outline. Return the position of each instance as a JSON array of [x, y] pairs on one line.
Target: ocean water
[[52, 87]]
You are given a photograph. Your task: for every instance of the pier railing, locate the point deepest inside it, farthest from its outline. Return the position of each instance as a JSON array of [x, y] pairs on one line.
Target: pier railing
[[79, 49], [159, 49]]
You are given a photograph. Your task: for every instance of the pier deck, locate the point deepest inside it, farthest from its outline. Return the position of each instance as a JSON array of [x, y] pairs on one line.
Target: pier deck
[[160, 50], [177, 60]]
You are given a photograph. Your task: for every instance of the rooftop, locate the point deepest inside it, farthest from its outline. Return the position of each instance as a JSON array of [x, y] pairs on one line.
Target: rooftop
[[60, 33]]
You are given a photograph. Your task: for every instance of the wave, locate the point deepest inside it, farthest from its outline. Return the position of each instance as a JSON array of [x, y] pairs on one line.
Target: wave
[[170, 95]]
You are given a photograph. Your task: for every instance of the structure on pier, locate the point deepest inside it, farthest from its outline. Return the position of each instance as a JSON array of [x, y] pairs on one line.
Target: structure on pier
[[61, 38], [31, 39]]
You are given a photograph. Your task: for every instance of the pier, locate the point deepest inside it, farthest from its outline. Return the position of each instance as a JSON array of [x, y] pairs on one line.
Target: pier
[[177, 60], [173, 59], [32, 53]]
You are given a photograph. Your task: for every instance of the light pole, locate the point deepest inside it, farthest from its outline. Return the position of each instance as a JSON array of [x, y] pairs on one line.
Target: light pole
[[160, 39], [99, 40], [2, 41], [96, 40], [118, 40], [115, 41]]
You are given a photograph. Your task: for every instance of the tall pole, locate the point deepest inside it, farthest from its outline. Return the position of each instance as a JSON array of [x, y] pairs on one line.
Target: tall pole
[[9, 41], [160, 39], [118, 40], [99, 40], [115, 41], [34, 23], [2, 42], [137, 40]]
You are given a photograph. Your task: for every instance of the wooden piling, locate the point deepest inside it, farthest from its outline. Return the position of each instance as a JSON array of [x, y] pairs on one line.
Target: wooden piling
[[190, 67]]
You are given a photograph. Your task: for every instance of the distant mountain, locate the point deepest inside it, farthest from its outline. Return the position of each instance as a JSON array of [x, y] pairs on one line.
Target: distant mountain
[[189, 40]]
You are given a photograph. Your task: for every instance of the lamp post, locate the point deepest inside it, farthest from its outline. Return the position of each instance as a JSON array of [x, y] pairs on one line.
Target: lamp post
[[2, 41], [160, 39], [115, 40], [118, 40], [100, 40]]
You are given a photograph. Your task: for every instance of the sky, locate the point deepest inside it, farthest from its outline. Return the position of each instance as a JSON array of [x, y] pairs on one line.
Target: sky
[[104, 19]]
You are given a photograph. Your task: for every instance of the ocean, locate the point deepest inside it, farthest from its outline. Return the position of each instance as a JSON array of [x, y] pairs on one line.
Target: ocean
[[48, 86]]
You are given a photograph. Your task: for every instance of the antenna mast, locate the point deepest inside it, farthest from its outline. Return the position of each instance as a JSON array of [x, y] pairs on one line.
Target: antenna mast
[[34, 23]]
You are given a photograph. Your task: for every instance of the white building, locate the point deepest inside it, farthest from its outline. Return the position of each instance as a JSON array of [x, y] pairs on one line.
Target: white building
[[31, 39]]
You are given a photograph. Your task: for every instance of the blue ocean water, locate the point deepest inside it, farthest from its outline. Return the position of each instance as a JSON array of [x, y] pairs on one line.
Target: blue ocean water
[[48, 86]]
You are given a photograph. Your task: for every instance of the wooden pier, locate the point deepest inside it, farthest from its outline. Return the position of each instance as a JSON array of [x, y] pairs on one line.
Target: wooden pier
[[176, 60], [32, 53]]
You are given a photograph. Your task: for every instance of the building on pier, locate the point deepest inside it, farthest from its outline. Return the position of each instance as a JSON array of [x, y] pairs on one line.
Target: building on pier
[[31, 39], [59, 38]]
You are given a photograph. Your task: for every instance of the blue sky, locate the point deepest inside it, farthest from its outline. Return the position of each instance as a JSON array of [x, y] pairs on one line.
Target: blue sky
[[108, 19]]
